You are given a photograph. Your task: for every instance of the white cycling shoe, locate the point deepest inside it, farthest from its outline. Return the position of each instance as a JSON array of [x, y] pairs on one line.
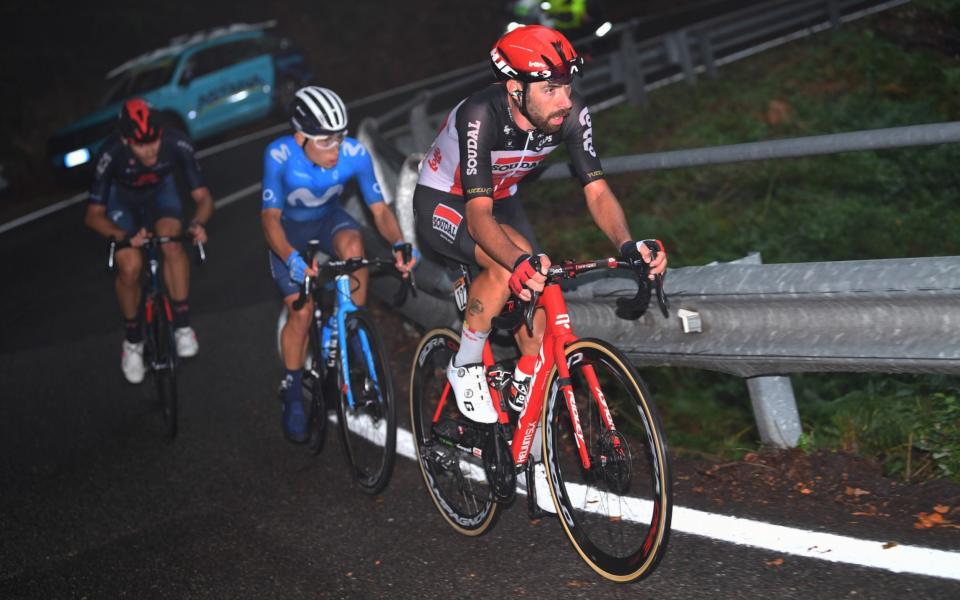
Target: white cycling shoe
[[186, 339], [131, 362], [469, 384]]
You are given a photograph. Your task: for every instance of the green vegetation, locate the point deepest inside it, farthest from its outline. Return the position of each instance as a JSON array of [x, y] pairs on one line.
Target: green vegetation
[[894, 69]]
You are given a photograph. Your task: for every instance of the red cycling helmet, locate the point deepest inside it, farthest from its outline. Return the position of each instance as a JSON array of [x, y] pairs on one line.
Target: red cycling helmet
[[138, 123], [535, 53]]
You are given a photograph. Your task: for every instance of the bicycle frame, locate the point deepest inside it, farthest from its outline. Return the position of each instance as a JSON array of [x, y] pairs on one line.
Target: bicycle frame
[[343, 305], [557, 336]]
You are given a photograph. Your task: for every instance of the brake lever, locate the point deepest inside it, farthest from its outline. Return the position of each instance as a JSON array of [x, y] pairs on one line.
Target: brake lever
[[302, 298], [661, 296], [528, 311]]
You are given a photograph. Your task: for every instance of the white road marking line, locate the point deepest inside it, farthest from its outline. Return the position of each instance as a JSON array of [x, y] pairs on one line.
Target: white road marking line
[[778, 538]]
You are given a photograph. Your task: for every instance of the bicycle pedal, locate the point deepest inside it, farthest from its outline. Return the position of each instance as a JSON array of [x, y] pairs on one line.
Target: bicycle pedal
[[499, 376], [440, 455]]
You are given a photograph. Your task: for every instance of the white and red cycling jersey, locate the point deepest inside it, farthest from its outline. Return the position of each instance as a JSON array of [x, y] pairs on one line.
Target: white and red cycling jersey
[[480, 150]]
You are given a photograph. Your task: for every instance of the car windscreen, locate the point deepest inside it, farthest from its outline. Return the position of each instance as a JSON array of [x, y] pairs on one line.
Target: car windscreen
[[138, 80]]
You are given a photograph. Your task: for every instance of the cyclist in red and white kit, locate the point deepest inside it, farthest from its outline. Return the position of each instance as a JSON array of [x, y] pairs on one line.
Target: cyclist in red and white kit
[[465, 203]]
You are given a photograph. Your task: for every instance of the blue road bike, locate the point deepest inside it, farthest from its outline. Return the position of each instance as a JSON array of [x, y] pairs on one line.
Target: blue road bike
[[347, 360]]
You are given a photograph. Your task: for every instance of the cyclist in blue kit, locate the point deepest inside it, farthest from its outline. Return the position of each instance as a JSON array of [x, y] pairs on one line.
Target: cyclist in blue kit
[[304, 175]]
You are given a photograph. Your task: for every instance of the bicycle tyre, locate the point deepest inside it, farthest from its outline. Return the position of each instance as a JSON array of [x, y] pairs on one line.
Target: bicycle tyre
[[315, 390], [369, 429], [164, 370], [465, 502], [616, 515]]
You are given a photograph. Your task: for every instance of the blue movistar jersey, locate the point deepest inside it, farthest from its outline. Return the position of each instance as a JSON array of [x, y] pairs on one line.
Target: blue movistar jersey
[[305, 191]]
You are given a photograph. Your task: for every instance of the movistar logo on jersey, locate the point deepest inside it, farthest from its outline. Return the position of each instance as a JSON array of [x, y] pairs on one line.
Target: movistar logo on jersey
[[473, 135], [351, 149], [280, 154], [304, 197]]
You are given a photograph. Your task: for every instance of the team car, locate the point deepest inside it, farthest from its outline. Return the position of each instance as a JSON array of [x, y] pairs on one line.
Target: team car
[[203, 84]]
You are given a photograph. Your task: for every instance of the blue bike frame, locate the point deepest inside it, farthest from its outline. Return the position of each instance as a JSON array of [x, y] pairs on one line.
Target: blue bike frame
[[343, 305]]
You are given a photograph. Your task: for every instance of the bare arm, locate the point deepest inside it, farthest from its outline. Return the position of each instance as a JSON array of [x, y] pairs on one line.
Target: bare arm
[[204, 200], [386, 222], [607, 212]]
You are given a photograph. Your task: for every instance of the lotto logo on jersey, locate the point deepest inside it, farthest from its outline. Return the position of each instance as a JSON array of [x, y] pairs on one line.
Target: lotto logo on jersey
[[435, 158], [446, 222]]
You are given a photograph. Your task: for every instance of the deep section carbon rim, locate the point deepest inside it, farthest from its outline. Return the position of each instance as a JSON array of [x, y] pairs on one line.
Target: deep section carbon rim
[[616, 513], [454, 478], [368, 429]]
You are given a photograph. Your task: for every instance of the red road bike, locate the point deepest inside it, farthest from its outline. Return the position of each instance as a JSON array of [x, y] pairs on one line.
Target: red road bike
[[589, 420]]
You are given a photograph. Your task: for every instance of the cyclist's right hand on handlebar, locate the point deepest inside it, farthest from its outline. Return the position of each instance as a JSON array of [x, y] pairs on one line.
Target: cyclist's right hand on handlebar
[[529, 273], [297, 267], [137, 240]]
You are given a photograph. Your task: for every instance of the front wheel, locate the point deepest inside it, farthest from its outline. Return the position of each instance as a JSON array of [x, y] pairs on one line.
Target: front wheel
[[617, 512], [368, 427], [455, 478], [163, 357]]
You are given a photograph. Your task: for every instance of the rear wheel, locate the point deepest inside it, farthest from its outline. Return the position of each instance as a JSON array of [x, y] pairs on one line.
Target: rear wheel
[[616, 513], [455, 479], [368, 428], [315, 394]]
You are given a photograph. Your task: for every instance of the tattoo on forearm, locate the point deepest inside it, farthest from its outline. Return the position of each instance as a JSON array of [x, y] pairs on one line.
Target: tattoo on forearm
[[475, 307]]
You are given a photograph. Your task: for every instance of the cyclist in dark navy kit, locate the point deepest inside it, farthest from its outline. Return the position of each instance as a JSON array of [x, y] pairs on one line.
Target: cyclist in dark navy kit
[[304, 175], [134, 196], [465, 203]]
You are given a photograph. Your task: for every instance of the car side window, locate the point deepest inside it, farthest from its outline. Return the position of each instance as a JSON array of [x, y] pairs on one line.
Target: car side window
[[212, 59]]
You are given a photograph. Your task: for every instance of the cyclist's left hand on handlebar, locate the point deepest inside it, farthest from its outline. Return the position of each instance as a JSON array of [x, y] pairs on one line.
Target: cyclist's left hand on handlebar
[[526, 277], [410, 265], [651, 252], [198, 231]]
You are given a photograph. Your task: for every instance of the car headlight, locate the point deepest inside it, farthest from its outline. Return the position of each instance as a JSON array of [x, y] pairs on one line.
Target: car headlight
[[76, 158]]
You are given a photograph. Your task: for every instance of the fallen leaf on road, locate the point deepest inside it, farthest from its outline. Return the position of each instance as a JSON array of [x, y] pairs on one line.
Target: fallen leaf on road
[[926, 521], [942, 509], [775, 562], [576, 583], [852, 491], [889, 545]]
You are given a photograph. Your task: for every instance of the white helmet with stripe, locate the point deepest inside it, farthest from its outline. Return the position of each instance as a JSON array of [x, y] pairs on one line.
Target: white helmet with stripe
[[318, 111]]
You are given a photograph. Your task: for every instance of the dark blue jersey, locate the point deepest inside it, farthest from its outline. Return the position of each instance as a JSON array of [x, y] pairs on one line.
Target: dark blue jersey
[[117, 165]]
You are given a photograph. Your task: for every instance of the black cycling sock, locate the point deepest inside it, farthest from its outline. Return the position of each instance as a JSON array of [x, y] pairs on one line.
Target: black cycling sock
[[132, 331], [181, 313]]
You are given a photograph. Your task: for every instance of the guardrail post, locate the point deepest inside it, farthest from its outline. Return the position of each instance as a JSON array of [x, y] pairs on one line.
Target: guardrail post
[[775, 409], [635, 88], [682, 47], [706, 53], [834, 11], [774, 405], [420, 128]]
